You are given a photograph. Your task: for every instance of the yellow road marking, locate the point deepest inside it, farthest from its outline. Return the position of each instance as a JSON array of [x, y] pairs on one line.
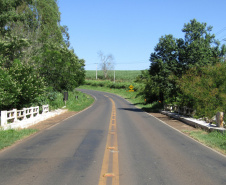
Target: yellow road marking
[[112, 144]]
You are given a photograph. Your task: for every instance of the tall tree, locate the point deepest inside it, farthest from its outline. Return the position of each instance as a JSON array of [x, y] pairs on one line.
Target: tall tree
[[164, 61]]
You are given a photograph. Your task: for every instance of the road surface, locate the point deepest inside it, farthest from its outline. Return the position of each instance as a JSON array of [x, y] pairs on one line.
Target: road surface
[[112, 142]]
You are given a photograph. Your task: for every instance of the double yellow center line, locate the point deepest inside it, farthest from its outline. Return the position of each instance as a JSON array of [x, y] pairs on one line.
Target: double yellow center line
[[110, 166]]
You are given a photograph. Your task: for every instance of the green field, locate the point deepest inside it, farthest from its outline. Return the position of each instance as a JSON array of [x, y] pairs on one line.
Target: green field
[[120, 75]]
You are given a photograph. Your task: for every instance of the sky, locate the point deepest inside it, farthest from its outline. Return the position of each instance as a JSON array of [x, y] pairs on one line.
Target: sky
[[130, 29]]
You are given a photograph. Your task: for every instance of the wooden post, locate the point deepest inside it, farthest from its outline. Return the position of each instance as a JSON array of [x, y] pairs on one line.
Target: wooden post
[[219, 119]]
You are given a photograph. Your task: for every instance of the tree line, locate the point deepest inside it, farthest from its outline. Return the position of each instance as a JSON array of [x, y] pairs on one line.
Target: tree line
[[35, 54], [188, 71]]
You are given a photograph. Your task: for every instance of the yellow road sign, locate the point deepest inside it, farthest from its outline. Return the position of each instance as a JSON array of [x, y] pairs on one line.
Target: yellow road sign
[[131, 88]]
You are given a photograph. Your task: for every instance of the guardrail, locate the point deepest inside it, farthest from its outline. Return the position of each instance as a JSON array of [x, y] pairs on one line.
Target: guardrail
[[15, 115]]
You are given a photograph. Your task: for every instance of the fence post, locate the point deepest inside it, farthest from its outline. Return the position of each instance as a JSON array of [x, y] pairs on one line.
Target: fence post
[[43, 109], [32, 111], [219, 119], [3, 118], [15, 114], [24, 113], [37, 111]]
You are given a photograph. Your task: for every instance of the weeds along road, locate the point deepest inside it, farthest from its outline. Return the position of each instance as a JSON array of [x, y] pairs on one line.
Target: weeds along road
[[112, 142]]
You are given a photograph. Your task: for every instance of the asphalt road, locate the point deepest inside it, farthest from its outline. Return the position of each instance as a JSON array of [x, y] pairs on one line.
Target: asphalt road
[[112, 142]]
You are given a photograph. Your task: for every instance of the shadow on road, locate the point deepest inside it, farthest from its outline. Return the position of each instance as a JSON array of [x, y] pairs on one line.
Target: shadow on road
[[131, 109]]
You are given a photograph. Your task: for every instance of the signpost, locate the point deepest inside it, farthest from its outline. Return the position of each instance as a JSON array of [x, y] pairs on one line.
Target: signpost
[[65, 97]]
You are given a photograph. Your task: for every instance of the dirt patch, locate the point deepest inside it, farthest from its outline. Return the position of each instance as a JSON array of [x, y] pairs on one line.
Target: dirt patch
[[173, 122], [52, 121]]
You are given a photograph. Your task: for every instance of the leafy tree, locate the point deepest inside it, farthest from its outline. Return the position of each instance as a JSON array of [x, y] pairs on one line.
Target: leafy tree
[[20, 86], [200, 46], [60, 67], [163, 63], [8, 90], [173, 57], [33, 45]]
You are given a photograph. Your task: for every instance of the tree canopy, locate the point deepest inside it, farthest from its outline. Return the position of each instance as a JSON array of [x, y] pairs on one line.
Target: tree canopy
[[31, 36], [172, 57]]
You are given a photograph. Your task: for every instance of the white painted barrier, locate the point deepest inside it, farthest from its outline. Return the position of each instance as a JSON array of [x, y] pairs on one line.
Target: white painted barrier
[[24, 114]]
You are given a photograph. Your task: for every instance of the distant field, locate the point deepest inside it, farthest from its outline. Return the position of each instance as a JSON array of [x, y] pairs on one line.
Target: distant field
[[120, 75]]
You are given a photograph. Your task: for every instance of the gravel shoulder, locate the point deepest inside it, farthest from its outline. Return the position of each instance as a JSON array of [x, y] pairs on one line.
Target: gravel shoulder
[[173, 122]]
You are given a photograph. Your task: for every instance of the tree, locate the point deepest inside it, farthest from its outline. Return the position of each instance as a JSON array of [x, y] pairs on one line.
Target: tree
[[200, 46], [107, 63], [34, 46], [173, 57], [164, 62]]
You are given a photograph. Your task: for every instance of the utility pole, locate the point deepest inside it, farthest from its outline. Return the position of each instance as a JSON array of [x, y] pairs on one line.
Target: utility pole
[[114, 75], [96, 71]]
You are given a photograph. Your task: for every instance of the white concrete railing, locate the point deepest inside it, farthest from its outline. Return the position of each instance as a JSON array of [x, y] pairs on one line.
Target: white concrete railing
[[180, 110], [45, 109], [185, 111], [26, 113]]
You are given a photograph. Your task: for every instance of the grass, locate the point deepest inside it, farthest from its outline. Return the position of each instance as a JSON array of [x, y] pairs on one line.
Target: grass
[[8, 137], [213, 139], [78, 101]]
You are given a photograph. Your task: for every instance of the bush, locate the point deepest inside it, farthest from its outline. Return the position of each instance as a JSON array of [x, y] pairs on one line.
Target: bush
[[20, 85], [204, 89]]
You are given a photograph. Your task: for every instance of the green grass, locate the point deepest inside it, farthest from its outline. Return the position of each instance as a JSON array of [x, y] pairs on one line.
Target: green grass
[[213, 139], [78, 101], [73, 104], [8, 137], [120, 75]]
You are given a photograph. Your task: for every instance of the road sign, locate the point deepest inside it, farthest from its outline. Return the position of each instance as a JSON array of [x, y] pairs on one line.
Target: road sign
[[131, 88]]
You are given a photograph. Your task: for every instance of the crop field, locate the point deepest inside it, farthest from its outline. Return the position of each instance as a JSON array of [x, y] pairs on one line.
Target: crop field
[[120, 75]]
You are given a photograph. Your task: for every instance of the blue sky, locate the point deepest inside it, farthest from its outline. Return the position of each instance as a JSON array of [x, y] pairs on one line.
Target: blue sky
[[130, 29]]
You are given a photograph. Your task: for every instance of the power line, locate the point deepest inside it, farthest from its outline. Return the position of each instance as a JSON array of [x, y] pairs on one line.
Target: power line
[[220, 31], [131, 63]]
